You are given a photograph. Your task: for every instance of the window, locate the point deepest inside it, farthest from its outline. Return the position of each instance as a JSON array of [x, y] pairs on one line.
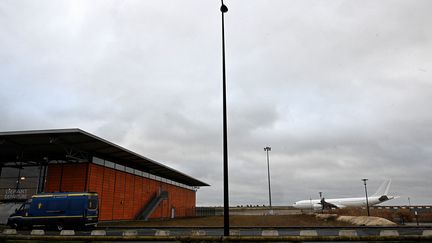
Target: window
[[129, 170], [109, 164], [98, 161], [25, 206], [119, 167], [92, 203], [138, 173]]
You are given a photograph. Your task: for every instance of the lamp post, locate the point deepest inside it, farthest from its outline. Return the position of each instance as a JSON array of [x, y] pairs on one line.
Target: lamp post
[[367, 200], [223, 10], [267, 149], [322, 208]]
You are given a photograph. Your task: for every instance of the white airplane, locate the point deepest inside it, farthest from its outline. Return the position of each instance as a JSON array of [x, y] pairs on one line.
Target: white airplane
[[378, 197]]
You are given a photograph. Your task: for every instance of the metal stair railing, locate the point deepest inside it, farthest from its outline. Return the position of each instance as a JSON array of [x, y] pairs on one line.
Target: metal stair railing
[[149, 208]]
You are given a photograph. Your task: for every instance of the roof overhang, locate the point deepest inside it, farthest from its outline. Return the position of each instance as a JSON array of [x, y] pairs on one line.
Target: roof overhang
[[39, 146]]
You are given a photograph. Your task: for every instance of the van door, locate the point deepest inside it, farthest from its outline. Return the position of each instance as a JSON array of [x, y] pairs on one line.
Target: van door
[[92, 211], [20, 217]]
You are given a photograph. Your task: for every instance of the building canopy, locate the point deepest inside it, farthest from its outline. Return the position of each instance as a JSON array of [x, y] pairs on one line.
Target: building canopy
[[37, 147]]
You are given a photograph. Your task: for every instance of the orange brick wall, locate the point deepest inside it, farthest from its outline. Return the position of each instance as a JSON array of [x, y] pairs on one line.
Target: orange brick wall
[[66, 177], [121, 195]]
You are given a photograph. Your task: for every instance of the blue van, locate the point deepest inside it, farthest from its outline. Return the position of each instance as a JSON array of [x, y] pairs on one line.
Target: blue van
[[63, 209]]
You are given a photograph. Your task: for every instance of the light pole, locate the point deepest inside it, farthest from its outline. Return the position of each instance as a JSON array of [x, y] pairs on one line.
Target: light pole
[[367, 200], [223, 10], [267, 149], [322, 207]]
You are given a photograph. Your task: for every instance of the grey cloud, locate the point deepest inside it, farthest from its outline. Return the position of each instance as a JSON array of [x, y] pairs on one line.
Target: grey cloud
[[340, 90]]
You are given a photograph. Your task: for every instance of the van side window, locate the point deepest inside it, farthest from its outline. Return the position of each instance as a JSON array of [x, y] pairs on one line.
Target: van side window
[[92, 203], [26, 206]]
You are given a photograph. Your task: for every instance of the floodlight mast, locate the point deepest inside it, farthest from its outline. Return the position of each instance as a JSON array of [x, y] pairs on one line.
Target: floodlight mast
[[367, 199], [267, 149], [223, 10]]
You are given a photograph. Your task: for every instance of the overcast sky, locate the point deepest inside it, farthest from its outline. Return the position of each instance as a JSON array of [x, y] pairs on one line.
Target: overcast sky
[[341, 90]]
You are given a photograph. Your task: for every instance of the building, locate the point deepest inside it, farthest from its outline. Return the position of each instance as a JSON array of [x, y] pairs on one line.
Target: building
[[130, 186]]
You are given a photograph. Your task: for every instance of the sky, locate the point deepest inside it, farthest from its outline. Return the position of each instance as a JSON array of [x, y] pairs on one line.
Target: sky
[[339, 89]]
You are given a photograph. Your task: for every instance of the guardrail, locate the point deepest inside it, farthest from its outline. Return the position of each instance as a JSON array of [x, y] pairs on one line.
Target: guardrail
[[202, 236]]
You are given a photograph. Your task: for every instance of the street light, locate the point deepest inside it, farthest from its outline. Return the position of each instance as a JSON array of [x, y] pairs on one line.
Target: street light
[[322, 207], [223, 10], [267, 149], [367, 200]]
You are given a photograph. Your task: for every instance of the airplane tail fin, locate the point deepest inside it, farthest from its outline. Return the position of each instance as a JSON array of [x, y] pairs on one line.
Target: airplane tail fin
[[383, 189]]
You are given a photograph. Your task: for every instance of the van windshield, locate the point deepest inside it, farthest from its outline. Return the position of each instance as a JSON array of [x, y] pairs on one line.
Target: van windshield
[[25, 206]]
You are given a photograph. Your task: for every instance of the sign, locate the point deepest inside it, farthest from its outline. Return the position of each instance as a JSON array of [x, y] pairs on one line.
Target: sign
[[15, 194]]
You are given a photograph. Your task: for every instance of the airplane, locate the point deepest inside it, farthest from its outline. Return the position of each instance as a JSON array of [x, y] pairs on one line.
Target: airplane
[[380, 196]]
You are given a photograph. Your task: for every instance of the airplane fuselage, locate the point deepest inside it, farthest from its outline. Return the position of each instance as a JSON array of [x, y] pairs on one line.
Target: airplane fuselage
[[339, 202]]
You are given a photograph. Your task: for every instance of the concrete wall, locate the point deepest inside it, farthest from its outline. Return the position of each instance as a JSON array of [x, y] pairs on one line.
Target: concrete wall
[[121, 195]]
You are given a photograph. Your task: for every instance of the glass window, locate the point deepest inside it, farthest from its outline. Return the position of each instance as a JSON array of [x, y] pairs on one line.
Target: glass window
[[30, 171], [98, 161], [109, 164], [26, 206], [9, 172], [138, 172], [92, 203], [119, 167], [129, 170]]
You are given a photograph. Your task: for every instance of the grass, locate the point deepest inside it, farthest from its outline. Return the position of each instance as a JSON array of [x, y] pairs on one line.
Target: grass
[[235, 221]]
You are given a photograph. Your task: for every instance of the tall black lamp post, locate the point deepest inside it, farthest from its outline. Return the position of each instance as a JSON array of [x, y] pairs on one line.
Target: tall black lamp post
[[267, 149], [223, 10], [367, 199]]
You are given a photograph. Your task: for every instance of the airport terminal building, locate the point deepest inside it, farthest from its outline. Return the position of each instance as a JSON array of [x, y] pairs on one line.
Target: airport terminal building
[[130, 186]]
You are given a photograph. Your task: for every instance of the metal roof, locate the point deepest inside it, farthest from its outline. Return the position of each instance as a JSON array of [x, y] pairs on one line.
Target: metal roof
[[65, 144]]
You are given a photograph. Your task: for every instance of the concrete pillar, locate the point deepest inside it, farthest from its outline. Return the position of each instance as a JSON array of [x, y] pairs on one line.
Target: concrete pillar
[[130, 233], [270, 233], [162, 233], [389, 233], [347, 233], [198, 233], [67, 232], [9, 232], [308, 233], [98, 233], [37, 232]]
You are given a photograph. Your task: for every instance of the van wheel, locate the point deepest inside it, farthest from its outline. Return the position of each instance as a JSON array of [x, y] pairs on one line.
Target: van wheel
[[59, 226]]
